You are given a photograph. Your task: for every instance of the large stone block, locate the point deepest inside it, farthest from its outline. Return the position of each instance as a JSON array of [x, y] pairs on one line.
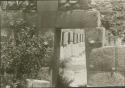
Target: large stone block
[[47, 19], [96, 34], [95, 38], [50, 17], [32, 83], [47, 5], [102, 59], [78, 19], [92, 19], [120, 55], [107, 66], [107, 59]]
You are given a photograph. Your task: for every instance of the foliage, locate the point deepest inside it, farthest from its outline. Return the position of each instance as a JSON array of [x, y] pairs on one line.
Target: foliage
[[26, 6], [113, 16], [25, 53]]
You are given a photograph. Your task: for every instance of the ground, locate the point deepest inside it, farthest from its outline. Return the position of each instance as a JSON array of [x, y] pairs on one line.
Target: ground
[[100, 79]]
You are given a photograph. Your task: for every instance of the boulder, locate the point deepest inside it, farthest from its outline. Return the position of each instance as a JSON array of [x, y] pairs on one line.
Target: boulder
[[107, 58], [33, 83]]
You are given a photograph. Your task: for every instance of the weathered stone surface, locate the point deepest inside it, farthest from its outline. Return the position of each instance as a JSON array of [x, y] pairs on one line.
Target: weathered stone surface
[[75, 54], [78, 19], [106, 58], [47, 5], [103, 79], [32, 83], [97, 34], [69, 19], [103, 59], [120, 55], [106, 66], [95, 38]]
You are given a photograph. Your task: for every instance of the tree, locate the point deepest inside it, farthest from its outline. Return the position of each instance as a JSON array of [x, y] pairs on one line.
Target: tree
[[26, 6], [26, 53], [113, 16]]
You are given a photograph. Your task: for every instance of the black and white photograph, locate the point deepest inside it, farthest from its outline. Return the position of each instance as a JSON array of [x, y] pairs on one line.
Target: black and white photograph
[[62, 43]]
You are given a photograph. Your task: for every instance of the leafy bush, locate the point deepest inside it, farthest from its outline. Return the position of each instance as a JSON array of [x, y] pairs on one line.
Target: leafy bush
[[113, 18], [26, 52]]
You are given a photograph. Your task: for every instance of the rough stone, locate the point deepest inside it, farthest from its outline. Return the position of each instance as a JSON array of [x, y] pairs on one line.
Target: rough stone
[[106, 58], [32, 83]]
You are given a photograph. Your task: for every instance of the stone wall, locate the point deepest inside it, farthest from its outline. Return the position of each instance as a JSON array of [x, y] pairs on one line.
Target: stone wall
[[95, 38], [50, 17], [107, 64], [32, 83], [78, 19]]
